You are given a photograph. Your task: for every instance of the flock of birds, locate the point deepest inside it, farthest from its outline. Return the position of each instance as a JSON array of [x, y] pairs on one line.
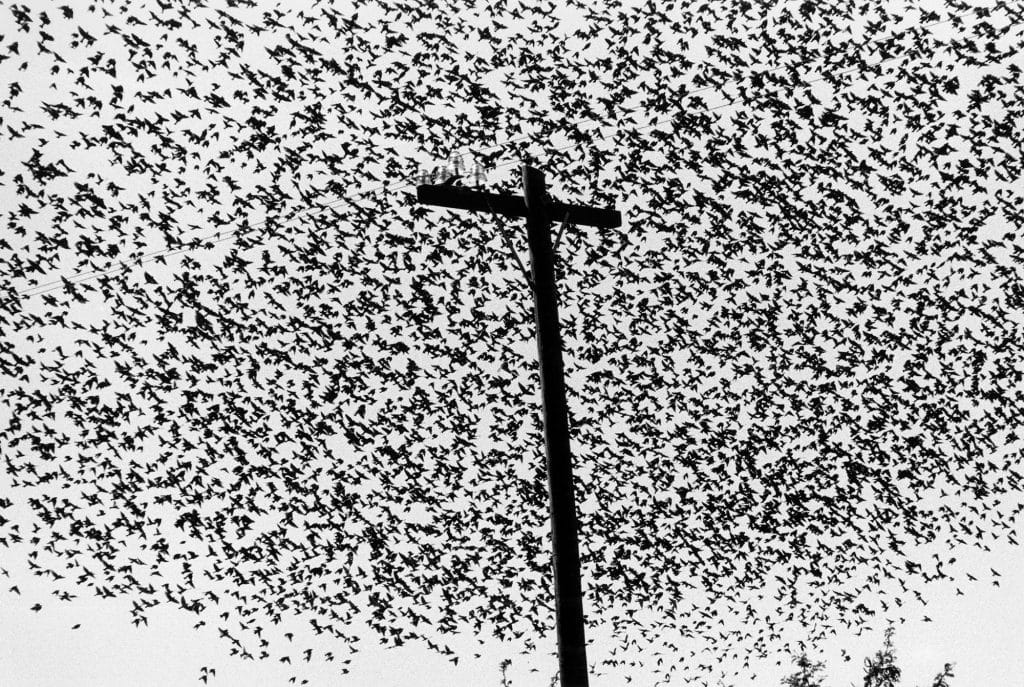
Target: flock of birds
[[797, 361]]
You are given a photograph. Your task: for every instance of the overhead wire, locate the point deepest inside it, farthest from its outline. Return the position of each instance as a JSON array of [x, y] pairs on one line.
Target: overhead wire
[[840, 72], [220, 236], [587, 120]]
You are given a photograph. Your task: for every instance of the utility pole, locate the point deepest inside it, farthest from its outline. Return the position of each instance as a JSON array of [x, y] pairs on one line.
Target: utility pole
[[535, 206]]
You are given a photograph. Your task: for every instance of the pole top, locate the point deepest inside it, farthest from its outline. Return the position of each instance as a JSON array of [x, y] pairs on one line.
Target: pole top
[[533, 187]]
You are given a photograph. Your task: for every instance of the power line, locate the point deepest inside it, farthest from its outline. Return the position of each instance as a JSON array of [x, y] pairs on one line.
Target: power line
[[191, 244], [79, 277], [719, 85], [587, 120], [774, 69], [154, 255]]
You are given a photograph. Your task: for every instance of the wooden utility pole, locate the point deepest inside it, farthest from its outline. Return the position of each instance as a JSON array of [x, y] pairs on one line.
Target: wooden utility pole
[[535, 206]]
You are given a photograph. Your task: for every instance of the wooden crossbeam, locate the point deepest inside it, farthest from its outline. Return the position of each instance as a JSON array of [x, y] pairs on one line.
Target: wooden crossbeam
[[462, 198]]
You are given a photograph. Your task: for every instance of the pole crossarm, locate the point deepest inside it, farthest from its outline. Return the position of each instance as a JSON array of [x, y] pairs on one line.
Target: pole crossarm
[[461, 198]]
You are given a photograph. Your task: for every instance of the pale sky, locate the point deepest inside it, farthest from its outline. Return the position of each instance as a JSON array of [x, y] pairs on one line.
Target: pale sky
[[981, 631]]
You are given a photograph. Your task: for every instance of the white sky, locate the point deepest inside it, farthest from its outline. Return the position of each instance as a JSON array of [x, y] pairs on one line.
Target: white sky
[[982, 631]]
